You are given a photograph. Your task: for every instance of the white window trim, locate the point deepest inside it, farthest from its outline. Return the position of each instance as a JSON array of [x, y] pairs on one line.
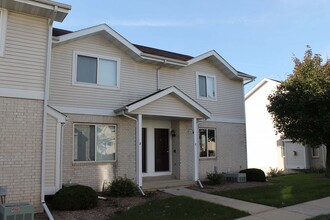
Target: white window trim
[[197, 86], [216, 145], [95, 161], [318, 153], [74, 70], [3, 29]]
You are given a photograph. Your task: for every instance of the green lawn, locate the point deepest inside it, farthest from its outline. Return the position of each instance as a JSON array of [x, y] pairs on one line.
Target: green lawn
[[180, 208], [290, 190], [321, 217]]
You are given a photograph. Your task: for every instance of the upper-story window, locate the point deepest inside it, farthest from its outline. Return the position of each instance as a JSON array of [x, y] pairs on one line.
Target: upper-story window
[[3, 25], [97, 71], [206, 86]]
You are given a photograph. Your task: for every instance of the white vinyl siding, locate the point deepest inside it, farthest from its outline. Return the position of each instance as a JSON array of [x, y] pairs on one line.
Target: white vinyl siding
[[95, 70], [50, 161], [136, 80], [169, 105], [230, 99], [23, 66], [3, 27]]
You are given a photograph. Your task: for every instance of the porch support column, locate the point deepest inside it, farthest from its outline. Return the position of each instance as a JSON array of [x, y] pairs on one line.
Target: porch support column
[[196, 155], [139, 151]]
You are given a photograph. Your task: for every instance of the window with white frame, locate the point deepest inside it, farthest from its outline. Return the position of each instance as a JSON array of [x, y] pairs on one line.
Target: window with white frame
[[315, 152], [206, 86], [207, 142], [3, 25], [96, 70], [95, 142]]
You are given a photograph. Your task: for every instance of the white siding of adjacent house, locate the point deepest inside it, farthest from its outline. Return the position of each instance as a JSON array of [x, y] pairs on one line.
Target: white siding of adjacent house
[[168, 105], [50, 159], [23, 64], [263, 145]]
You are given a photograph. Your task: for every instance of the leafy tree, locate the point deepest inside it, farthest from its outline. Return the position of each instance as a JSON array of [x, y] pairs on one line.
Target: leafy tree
[[300, 106]]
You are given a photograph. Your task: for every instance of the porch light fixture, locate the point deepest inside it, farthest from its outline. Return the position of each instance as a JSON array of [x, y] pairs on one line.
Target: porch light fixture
[[173, 133]]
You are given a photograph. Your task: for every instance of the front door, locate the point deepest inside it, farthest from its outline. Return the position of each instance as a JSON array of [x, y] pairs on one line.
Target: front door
[[162, 162]]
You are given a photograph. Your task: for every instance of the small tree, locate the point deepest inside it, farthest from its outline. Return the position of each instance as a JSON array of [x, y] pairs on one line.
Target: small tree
[[300, 106]]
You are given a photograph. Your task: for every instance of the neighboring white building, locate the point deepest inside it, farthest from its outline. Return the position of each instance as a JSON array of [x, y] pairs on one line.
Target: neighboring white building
[[267, 149]]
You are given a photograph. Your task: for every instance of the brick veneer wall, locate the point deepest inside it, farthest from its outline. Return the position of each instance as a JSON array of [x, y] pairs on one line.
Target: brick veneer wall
[[94, 174], [20, 149]]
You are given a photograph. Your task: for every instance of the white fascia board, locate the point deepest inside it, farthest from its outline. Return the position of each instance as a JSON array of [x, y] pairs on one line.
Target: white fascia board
[[21, 93], [163, 59], [61, 118], [85, 111], [216, 55], [95, 29], [257, 87], [164, 93]]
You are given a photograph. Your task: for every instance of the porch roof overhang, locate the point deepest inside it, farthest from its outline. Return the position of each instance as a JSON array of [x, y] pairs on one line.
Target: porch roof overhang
[[182, 97]]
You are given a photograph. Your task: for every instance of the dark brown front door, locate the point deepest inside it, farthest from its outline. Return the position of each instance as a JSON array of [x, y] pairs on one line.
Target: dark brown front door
[[162, 150]]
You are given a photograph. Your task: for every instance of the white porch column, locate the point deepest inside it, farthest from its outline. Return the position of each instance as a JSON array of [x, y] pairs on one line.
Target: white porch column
[[196, 152], [139, 151]]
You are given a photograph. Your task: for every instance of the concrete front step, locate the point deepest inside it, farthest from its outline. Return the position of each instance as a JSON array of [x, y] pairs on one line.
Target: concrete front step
[[166, 183]]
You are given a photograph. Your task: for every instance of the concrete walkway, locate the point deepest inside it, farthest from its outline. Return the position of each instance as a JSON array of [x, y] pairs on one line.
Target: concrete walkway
[[260, 212]]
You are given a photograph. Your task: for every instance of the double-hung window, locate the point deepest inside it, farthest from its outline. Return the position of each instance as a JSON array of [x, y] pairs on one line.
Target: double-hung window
[[206, 86], [207, 142], [96, 71], [315, 152], [3, 25], [95, 142]]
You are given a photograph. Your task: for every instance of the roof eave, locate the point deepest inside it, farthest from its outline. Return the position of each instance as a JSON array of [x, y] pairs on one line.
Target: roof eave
[[43, 8]]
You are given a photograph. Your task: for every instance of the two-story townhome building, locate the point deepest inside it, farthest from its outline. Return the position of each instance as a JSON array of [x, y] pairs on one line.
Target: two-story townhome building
[[121, 109], [25, 49]]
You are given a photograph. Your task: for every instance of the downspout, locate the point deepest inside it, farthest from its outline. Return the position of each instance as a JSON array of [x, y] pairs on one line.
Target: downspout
[[137, 149], [44, 126], [61, 153]]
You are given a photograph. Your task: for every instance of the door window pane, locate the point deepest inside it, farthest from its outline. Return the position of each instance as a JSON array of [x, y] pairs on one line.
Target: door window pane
[[86, 69]]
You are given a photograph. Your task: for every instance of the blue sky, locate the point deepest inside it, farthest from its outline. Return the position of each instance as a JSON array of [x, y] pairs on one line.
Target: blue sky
[[258, 37]]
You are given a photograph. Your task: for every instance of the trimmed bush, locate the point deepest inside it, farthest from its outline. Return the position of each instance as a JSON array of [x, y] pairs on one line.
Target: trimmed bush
[[122, 187], [254, 174], [215, 178], [75, 197]]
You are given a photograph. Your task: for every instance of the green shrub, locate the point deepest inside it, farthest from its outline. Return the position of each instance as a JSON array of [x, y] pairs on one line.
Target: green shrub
[[274, 172], [122, 187], [254, 174], [215, 178], [75, 197]]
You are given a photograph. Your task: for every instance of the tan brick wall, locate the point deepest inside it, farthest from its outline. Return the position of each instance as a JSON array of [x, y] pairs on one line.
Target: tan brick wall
[[93, 174], [231, 149], [20, 149]]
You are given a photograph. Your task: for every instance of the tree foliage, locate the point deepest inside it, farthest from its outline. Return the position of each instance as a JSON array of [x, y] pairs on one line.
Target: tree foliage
[[300, 106]]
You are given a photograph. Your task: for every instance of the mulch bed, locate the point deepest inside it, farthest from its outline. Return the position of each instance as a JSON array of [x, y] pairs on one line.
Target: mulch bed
[[106, 209]]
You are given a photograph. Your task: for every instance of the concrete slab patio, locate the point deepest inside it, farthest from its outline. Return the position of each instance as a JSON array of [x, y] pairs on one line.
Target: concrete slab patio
[[260, 212]]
